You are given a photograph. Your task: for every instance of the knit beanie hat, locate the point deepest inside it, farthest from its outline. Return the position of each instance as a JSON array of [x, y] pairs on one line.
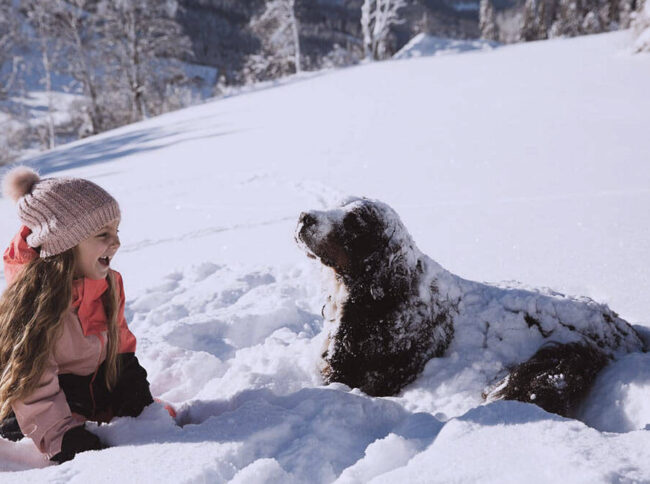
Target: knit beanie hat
[[61, 212]]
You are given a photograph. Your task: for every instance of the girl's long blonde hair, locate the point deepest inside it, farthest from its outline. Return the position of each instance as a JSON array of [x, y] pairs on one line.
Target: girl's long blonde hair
[[31, 310]]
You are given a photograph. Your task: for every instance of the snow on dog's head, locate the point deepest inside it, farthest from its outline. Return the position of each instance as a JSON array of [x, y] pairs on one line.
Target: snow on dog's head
[[359, 236]]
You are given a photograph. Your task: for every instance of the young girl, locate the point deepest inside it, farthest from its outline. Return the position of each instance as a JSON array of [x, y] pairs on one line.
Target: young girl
[[66, 353]]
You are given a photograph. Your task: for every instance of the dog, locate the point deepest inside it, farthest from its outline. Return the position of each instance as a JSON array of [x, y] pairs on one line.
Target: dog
[[391, 309]]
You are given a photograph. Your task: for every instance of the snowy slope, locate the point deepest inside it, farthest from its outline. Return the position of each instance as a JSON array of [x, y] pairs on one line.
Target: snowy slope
[[526, 162]]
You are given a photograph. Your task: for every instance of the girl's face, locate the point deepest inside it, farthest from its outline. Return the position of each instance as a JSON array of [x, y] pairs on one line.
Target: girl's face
[[93, 255]]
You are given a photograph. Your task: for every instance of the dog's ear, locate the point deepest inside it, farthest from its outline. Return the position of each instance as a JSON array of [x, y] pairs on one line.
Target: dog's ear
[[363, 218], [362, 233]]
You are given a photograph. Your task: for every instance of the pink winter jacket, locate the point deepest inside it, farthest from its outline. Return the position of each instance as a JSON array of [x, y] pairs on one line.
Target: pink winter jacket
[[44, 416]]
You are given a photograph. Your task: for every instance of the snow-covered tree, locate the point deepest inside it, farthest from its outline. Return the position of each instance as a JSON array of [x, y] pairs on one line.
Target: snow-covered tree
[[591, 23], [82, 54], [39, 14], [568, 20], [542, 20], [339, 57], [377, 17], [530, 22], [641, 27], [9, 61], [625, 10], [366, 29], [279, 30], [145, 42], [487, 21]]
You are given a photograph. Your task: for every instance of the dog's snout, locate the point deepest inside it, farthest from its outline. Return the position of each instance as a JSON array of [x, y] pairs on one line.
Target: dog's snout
[[307, 219]]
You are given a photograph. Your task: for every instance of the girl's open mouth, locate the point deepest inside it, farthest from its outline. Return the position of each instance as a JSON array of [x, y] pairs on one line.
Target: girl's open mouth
[[105, 261]]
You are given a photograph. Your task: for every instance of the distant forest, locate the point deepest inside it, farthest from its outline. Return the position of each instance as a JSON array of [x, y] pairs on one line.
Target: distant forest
[[100, 64]]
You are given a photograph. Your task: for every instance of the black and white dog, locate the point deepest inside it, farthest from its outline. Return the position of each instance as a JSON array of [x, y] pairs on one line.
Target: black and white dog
[[391, 309]]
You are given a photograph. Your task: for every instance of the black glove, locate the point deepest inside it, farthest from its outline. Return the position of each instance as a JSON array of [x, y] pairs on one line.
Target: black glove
[[131, 393], [77, 440], [9, 428]]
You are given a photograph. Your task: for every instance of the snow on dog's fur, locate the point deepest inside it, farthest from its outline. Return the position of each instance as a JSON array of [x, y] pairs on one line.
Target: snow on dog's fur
[[391, 309]]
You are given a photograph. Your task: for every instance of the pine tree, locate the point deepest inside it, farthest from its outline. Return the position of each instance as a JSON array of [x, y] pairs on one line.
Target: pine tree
[[487, 21]]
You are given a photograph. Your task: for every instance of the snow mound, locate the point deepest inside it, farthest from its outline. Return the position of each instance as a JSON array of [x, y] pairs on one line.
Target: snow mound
[[619, 401], [540, 447], [308, 436], [423, 45]]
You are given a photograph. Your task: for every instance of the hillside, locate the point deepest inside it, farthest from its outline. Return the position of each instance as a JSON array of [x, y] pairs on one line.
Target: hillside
[[526, 163]]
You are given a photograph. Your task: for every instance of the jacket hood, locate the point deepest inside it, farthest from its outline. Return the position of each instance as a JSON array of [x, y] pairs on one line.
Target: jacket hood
[[18, 254]]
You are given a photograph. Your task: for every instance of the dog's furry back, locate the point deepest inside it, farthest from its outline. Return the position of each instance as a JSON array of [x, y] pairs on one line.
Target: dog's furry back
[[396, 308]]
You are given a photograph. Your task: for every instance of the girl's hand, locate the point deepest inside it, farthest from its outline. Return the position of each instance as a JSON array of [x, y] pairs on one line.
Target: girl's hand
[[77, 440]]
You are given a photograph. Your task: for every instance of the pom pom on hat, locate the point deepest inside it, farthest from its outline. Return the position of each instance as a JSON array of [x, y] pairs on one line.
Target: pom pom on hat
[[18, 182]]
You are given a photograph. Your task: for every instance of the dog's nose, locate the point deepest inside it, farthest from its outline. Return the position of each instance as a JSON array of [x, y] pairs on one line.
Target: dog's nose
[[307, 219]]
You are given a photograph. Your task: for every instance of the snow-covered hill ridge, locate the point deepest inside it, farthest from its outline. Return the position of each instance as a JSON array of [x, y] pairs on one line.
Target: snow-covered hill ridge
[[526, 162], [423, 45]]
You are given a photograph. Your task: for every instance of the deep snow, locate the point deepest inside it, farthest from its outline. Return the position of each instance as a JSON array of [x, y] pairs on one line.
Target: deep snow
[[523, 163]]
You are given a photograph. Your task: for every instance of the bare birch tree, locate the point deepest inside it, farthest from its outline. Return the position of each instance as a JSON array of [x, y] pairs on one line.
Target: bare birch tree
[[487, 21], [81, 53], [41, 20], [531, 24], [377, 17]]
